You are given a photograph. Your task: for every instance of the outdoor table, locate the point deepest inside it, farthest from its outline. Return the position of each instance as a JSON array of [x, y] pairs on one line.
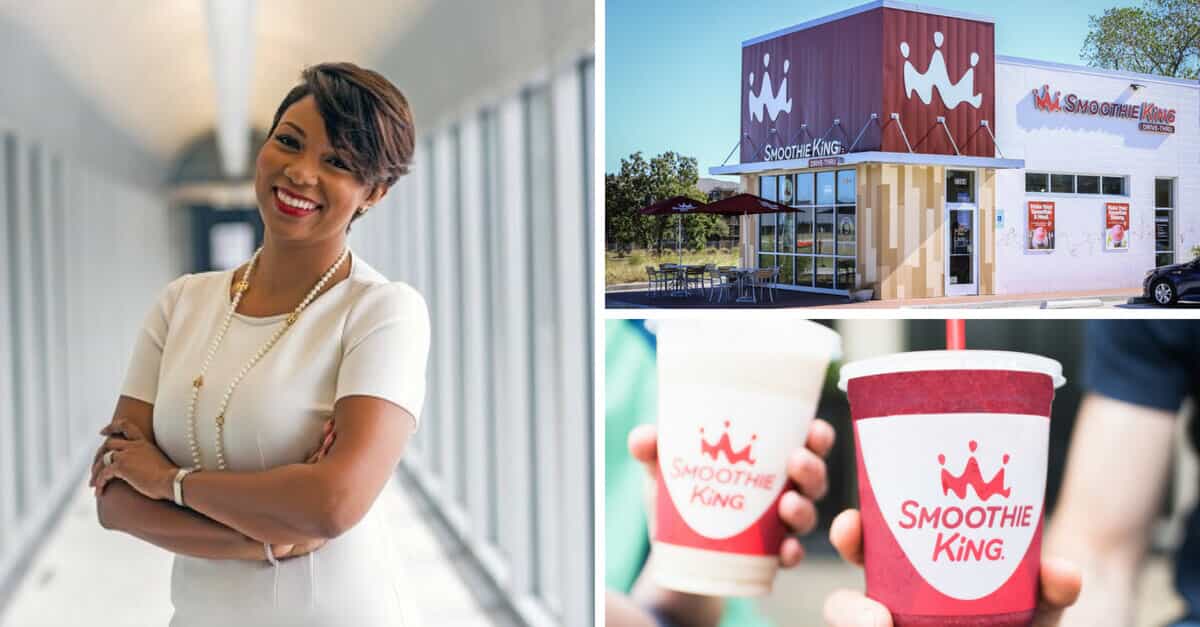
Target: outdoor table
[[745, 288]]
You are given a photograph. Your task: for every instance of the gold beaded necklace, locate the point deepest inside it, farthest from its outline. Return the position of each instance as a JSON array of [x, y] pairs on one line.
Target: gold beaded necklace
[[239, 289]]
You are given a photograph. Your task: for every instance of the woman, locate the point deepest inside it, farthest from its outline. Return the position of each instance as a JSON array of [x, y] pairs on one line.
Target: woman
[[238, 375]]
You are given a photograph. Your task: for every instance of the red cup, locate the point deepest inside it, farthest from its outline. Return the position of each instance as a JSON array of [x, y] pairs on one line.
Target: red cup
[[951, 453]]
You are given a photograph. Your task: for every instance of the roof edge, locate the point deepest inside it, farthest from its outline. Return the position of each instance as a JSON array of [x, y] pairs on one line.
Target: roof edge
[[863, 8]]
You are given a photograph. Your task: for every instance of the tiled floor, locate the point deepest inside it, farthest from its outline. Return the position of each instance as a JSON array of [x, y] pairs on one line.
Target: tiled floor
[[85, 575]]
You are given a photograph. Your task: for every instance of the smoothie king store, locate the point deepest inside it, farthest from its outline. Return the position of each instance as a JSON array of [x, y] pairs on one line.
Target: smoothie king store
[[922, 164]]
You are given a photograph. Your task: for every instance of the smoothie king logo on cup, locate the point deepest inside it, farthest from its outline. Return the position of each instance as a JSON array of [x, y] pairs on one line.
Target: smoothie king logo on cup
[[965, 526]]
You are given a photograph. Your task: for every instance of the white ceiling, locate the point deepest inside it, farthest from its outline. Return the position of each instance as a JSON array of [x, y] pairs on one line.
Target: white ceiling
[[146, 63]]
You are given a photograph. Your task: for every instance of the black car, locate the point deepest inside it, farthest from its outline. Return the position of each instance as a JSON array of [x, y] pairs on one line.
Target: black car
[[1168, 284]]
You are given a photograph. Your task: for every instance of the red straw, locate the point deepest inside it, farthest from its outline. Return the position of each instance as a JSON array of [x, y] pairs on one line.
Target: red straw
[[956, 335]]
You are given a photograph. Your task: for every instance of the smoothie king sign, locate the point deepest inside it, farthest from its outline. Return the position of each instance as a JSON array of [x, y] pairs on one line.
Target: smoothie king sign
[[965, 516], [1150, 117], [722, 470]]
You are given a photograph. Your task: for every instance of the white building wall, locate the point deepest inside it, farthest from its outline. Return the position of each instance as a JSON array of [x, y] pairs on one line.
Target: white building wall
[[1071, 143]]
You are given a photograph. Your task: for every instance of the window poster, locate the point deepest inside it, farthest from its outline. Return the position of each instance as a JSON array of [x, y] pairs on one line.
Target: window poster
[[1116, 226], [1040, 232]]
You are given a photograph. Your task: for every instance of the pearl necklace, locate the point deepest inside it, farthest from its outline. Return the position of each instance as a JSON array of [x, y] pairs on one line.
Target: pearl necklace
[[240, 289]]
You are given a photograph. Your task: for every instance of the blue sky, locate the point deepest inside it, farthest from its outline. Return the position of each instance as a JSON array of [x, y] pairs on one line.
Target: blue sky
[[674, 66]]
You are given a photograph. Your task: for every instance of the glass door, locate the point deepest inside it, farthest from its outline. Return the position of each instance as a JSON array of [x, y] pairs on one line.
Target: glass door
[[962, 234]]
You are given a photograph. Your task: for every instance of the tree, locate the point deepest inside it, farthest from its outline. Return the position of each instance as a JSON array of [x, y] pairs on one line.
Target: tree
[[1160, 37], [640, 183]]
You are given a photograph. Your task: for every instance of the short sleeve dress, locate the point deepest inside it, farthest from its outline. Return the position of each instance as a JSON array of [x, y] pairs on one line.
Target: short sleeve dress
[[365, 335]]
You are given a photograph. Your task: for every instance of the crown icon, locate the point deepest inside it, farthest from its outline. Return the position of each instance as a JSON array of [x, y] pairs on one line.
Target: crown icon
[[1044, 102], [772, 101], [936, 75], [724, 445], [972, 476]]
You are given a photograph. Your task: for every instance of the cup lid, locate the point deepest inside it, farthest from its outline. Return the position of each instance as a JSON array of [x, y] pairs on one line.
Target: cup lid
[[951, 360]]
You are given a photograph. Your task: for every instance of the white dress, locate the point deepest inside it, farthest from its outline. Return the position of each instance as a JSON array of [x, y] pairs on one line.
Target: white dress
[[365, 335]]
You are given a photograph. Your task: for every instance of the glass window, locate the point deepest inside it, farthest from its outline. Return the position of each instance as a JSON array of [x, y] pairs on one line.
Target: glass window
[[1062, 183], [786, 273], [960, 186], [1162, 230], [1164, 195], [845, 186], [766, 232], [1114, 185], [766, 261], [784, 235], [804, 230], [824, 272], [845, 274], [766, 187], [804, 188], [847, 233], [824, 237], [825, 184], [804, 271], [1087, 184], [1037, 182], [785, 189], [1164, 259]]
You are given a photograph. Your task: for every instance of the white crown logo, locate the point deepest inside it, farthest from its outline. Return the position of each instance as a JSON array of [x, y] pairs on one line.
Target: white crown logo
[[773, 102], [953, 94]]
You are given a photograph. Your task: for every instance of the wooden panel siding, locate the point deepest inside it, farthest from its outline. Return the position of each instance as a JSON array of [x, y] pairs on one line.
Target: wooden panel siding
[[904, 206], [987, 231]]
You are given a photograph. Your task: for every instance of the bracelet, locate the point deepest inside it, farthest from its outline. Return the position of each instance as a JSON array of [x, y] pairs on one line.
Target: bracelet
[[270, 555], [183, 472]]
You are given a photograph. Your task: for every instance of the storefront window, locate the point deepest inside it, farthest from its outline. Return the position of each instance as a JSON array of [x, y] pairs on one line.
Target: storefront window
[[1062, 183], [766, 261], [845, 186], [1164, 222], [804, 271], [824, 272], [786, 271], [766, 232], [767, 187], [960, 186], [1087, 184], [825, 231], [825, 185], [1037, 182], [804, 188], [847, 234], [845, 274], [785, 189], [784, 233], [1114, 185], [804, 230]]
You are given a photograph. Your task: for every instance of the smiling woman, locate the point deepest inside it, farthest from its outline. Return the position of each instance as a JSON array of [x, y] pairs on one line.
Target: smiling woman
[[266, 407]]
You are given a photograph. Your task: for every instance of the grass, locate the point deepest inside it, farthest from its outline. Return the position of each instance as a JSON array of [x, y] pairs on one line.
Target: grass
[[631, 268]]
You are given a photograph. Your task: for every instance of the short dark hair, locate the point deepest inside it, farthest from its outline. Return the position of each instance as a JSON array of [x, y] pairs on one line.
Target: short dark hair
[[367, 118]]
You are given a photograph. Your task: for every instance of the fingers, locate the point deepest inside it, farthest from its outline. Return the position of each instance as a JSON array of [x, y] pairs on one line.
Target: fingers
[[847, 608], [123, 427], [1061, 582], [791, 552], [108, 473], [807, 471], [643, 445], [846, 535], [820, 438], [797, 512]]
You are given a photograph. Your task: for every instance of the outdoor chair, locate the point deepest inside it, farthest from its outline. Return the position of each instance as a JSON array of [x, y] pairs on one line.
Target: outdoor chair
[[725, 282], [762, 280], [657, 279], [693, 276]]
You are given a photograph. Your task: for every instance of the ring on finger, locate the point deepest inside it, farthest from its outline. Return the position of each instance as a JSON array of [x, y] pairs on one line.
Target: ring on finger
[[108, 458]]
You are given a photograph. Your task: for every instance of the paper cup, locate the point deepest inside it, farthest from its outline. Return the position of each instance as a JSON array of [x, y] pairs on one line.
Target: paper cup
[[735, 398], [951, 454]]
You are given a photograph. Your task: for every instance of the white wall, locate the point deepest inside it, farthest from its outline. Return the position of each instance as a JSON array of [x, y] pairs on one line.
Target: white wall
[[1072, 143]]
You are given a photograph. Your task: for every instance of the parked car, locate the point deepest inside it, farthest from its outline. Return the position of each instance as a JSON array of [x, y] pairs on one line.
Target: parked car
[[1169, 284]]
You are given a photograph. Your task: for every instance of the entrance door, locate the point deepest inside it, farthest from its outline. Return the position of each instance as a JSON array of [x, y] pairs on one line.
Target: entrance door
[[962, 233]]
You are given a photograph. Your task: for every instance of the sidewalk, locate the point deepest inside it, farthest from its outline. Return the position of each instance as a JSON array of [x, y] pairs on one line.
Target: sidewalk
[[84, 572], [1104, 297]]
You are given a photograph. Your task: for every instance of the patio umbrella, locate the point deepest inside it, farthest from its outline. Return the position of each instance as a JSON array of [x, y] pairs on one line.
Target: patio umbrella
[[675, 205], [745, 205]]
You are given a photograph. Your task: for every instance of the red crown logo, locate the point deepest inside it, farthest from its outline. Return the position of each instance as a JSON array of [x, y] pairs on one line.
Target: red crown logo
[[724, 445], [973, 477], [1044, 102]]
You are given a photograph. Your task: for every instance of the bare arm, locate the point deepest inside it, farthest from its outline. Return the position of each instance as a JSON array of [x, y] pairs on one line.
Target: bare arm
[[121, 508], [1116, 472], [303, 502]]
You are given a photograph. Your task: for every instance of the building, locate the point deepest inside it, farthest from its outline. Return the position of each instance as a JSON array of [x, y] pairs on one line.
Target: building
[[921, 164]]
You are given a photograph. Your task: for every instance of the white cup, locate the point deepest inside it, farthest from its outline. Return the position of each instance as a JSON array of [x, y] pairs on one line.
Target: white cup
[[734, 399]]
